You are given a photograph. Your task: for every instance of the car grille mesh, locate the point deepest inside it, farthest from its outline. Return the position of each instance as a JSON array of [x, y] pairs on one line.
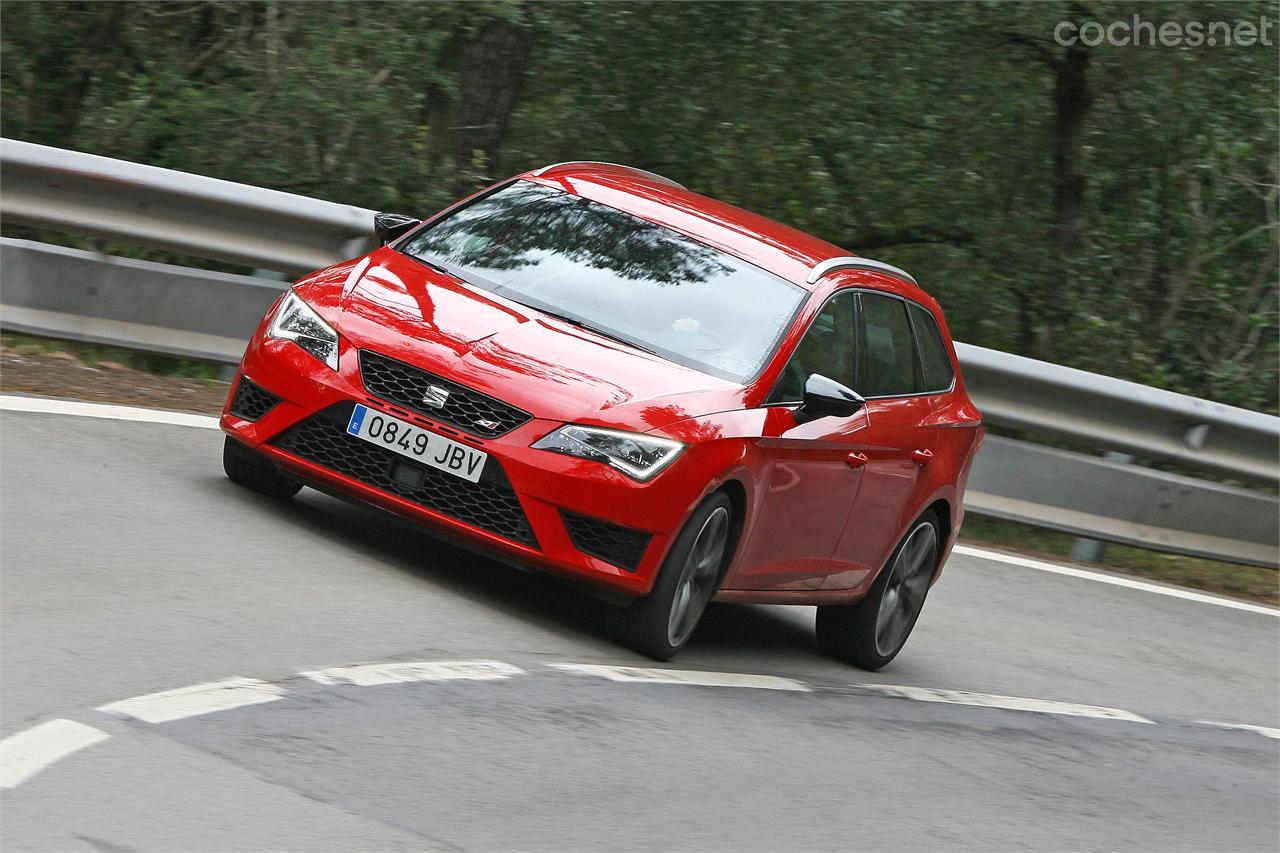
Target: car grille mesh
[[468, 410], [488, 504], [612, 543], [252, 401]]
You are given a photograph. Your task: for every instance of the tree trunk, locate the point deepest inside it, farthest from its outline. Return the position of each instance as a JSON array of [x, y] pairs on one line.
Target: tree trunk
[[63, 78], [467, 129], [1072, 99]]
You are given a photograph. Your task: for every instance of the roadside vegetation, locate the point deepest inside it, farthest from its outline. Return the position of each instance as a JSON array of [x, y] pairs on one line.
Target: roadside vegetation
[[1110, 208], [115, 358], [50, 368]]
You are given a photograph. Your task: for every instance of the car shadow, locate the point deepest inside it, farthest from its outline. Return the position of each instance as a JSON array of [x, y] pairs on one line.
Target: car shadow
[[752, 626], [534, 597]]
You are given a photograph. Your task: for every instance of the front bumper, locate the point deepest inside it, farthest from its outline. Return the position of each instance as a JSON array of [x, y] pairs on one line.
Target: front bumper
[[529, 507]]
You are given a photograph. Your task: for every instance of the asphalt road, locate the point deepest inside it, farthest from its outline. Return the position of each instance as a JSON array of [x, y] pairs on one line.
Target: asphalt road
[[130, 566]]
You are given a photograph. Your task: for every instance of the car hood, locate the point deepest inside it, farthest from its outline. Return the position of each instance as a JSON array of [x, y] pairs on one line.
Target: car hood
[[399, 307]]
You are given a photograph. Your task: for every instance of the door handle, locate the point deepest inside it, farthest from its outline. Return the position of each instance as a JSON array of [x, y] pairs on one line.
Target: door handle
[[856, 460], [922, 457]]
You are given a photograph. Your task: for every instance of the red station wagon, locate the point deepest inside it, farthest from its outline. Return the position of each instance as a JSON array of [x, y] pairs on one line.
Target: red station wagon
[[590, 370]]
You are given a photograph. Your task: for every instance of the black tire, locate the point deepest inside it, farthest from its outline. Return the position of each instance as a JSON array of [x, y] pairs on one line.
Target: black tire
[[868, 635], [650, 625], [247, 468]]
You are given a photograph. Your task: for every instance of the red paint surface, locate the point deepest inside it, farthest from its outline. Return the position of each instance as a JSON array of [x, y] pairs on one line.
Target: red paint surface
[[815, 529]]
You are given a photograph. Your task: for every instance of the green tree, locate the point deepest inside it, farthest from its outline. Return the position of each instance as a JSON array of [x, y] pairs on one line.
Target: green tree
[[1111, 208]]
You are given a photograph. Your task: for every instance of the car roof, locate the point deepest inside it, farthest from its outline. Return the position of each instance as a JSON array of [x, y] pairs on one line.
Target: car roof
[[782, 250]]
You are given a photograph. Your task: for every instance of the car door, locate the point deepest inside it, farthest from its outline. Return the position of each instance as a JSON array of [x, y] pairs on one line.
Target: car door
[[807, 486], [897, 442]]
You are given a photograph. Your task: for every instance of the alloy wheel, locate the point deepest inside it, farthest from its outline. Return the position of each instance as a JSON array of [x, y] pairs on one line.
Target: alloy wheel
[[905, 589], [698, 576]]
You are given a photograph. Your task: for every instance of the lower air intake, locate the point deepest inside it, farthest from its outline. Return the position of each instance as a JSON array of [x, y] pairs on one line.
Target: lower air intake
[[252, 401], [613, 543]]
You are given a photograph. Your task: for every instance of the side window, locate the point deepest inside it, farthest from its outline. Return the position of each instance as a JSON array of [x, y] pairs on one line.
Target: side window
[[827, 348], [938, 372], [889, 356]]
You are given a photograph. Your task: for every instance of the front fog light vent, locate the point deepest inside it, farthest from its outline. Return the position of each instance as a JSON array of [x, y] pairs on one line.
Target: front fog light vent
[[252, 401], [613, 543]]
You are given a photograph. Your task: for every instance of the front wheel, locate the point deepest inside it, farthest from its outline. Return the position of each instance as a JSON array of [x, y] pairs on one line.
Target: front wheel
[[246, 468], [661, 623], [872, 632]]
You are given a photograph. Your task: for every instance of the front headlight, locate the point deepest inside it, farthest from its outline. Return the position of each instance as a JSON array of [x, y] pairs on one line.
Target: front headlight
[[296, 321], [637, 456]]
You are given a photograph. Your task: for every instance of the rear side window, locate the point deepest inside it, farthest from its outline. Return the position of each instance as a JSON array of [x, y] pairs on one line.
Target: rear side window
[[889, 365], [938, 373]]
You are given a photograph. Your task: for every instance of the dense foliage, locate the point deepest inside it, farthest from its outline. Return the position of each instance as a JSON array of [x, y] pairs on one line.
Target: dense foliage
[[1112, 208]]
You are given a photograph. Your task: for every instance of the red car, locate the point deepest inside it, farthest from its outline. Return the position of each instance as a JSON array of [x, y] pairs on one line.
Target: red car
[[590, 370]]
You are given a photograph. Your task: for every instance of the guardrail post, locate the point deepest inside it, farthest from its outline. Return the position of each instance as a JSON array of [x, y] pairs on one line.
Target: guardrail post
[[1091, 550]]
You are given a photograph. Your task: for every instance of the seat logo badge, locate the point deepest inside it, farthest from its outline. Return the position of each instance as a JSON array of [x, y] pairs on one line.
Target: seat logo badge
[[486, 424], [435, 397]]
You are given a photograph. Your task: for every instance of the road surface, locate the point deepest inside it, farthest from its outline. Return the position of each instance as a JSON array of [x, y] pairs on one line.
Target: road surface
[[130, 566]]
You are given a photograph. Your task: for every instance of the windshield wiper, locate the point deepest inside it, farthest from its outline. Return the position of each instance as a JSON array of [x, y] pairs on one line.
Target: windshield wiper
[[440, 268], [436, 267], [604, 333]]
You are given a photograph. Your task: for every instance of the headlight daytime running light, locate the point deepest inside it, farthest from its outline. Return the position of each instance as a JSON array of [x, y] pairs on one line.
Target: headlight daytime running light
[[638, 456], [296, 321]]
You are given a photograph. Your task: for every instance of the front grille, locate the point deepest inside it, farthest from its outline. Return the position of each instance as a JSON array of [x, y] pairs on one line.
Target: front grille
[[252, 401], [490, 504], [612, 543], [406, 385]]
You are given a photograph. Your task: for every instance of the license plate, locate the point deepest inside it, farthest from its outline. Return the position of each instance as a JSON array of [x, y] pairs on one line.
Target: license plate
[[416, 443]]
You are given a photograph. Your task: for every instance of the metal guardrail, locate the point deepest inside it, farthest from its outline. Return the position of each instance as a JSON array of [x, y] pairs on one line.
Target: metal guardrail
[[178, 310], [1130, 504], [189, 214], [1022, 393], [96, 298]]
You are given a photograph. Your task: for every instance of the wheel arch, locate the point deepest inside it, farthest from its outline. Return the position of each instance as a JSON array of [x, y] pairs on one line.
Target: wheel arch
[[736, 491], [942, 509]]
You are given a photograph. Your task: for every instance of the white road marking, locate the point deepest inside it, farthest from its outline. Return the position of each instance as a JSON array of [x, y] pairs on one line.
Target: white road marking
[[40, 405], [368, 675], [27, 753], [1244, 727], [196, 700], [1011, 703], [1115, 580], [24, 754], [648, 675]]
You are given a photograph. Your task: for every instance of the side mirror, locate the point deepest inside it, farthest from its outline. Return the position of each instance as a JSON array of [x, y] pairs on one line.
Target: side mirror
[[825, 397], [389, 226]]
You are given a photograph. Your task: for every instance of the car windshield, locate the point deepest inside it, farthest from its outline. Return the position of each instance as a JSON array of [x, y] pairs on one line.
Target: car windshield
[[620, 275]]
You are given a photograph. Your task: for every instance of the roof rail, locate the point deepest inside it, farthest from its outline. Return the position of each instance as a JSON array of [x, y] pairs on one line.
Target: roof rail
[[833, 264], [651, 175]]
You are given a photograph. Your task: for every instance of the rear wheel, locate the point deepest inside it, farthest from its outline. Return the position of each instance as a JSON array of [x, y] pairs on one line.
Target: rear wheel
[[661, 623], [872, 632], [249, 469]]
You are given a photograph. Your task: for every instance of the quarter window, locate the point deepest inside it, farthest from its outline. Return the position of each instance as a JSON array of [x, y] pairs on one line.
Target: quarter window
[[889, 364], [827, 348], [938, 372]]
